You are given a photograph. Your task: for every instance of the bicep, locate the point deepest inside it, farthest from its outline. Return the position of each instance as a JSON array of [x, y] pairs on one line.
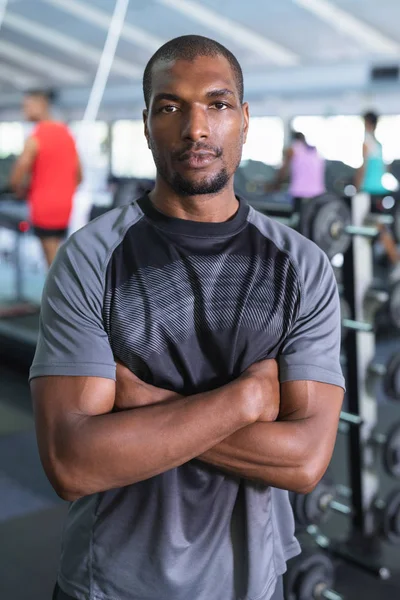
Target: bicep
[[61, 404], [27, 158], [60, 396], [314, 409], [311, 400]]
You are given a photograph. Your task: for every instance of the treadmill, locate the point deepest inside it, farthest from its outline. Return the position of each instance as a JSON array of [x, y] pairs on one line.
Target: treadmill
[[19, 317]]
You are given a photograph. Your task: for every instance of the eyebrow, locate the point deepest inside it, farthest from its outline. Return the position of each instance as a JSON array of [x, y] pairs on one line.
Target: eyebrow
[[218, 93], [210, 94], [165, 96]]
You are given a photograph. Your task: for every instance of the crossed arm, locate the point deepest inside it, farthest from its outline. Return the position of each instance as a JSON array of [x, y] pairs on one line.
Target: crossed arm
[[94, 435], [291, 451]]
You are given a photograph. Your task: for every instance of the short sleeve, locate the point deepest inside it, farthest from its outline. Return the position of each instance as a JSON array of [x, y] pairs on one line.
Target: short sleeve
[[72, 338], [311, 350]]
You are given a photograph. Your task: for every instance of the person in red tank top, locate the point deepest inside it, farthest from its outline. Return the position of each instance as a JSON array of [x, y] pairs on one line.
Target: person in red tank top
[[50, 159]]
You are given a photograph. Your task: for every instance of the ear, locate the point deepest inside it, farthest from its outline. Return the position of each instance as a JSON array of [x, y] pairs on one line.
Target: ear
[[246, 119], [146, 130]]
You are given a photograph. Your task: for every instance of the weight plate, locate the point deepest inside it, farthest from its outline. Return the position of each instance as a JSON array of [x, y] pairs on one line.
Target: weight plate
[[391, 452], [391, 518], [328, 225], [305, 572], [394, 304], [313, 508], [391, 380], [345, 313]]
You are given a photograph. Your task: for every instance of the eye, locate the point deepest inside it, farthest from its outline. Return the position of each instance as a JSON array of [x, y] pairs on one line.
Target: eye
[[168, 109], [220, 105]]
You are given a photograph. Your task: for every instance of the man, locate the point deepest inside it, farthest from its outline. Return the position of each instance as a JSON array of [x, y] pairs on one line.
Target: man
[[178, 472], [50, 160]]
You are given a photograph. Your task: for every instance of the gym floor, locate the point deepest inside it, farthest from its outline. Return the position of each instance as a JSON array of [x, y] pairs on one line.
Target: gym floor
[[31, 515]]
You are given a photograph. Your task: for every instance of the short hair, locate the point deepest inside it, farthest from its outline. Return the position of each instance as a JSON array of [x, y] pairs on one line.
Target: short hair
[[47, 94], [297, 135], [371, 117], [189, 47]]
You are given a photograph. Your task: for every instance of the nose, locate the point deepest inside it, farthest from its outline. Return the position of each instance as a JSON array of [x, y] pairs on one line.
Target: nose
[[195, 125]]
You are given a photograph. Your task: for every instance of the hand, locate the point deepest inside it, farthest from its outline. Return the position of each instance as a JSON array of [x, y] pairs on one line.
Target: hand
[[265, 388], [132, 392]]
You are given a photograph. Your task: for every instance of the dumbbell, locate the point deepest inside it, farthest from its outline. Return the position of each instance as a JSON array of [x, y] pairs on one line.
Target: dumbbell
[[375, 299], [310, 576], [340, 550], [315, 507], [388, 442], [329, 224], [388, 373], [326, 220]]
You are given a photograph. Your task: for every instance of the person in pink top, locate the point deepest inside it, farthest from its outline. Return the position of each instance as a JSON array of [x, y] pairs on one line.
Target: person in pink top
[[305, 167]]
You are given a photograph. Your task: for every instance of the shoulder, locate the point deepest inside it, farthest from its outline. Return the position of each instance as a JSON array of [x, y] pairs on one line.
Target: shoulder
[[309, 262], [91, 247]]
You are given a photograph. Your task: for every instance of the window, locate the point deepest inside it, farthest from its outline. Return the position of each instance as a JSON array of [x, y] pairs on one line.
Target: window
[[388, 133], [12, 138], [264, 140], [130, 156], [93, 141], [337, 138]]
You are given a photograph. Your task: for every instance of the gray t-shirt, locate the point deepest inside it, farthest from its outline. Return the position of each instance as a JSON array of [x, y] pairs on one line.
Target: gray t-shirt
[[187, 306]]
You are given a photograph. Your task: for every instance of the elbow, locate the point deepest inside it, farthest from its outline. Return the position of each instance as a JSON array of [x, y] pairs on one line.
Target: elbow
[[310, 473], [63, 485], [307, 482], [63, 477], [66, 494]]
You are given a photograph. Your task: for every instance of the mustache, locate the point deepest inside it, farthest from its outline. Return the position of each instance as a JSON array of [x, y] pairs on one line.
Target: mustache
[[183, 154]]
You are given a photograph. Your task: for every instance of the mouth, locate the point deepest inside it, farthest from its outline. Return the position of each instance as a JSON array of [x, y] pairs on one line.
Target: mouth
[[197, 160]]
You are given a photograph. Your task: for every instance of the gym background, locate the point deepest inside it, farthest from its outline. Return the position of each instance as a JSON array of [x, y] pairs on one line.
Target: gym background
[[310, 66]]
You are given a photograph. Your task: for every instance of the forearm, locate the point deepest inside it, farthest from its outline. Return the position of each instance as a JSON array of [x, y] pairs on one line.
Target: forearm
[[280, 177], [279, 454], [119, 449]]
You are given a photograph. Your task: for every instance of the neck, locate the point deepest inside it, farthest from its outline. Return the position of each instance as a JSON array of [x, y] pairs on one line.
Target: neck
[[43, 117], [213, 208]]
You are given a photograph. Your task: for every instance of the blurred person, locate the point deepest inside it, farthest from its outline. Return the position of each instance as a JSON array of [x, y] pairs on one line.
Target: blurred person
[[305, 168], [48, 172], [369, 179]]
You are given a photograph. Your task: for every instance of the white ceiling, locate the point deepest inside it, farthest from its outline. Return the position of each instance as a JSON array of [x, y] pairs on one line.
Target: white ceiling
[[284, 46]]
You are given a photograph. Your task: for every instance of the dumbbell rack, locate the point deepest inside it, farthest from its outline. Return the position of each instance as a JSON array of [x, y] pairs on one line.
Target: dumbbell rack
[[359, 350]]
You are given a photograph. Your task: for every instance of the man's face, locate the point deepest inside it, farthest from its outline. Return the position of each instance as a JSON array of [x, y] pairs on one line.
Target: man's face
[[33, 107], [369, 126], [195, 125]]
